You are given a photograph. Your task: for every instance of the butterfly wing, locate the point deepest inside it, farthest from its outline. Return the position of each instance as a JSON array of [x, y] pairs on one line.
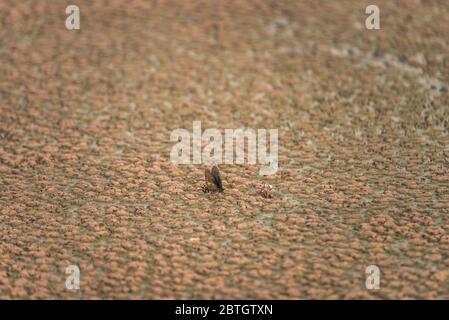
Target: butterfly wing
[[210, 180], [217, 178]]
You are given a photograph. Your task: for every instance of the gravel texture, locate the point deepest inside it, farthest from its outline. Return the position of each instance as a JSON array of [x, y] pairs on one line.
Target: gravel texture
[[85, 171]]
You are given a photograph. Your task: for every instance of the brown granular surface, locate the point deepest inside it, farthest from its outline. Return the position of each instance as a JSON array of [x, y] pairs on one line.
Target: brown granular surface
[[85, 171]]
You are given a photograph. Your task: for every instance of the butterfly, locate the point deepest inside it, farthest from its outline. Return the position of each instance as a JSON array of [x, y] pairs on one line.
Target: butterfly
[[213, 180]]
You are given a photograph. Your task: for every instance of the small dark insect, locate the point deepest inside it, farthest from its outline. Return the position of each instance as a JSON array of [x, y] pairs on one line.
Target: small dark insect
[[213, 180], [265, 191]]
